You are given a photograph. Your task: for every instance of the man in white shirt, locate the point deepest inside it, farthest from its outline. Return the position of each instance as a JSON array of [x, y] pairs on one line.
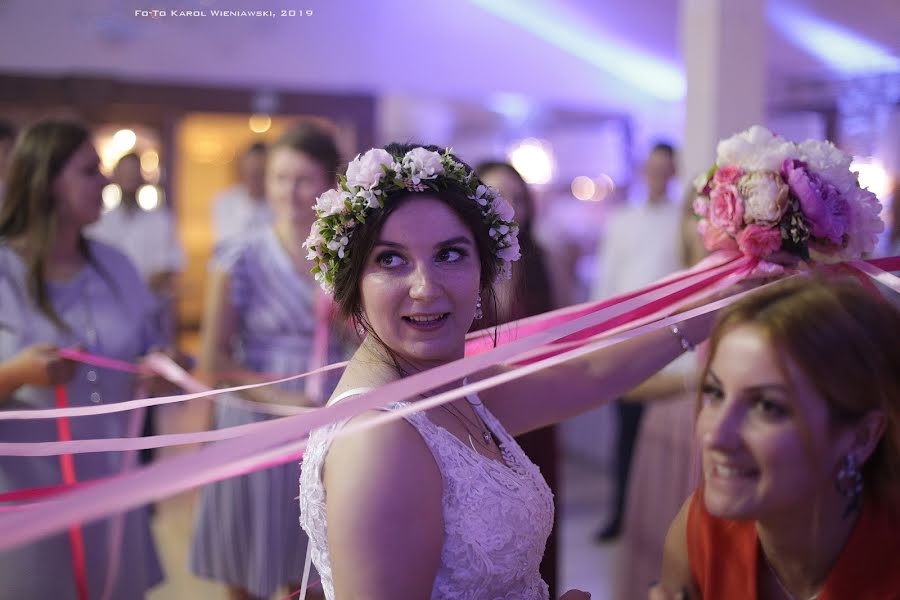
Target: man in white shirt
[[147, 237], [243, 207], [641, 244]]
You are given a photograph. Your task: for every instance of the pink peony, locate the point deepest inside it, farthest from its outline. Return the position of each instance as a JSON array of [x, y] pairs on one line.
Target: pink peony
[[758, 241], [727, 174], [726, 209], [714, 238]]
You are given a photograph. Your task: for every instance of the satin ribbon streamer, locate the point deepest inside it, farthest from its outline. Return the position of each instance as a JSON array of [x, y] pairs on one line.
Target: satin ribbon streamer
[[284, 439]]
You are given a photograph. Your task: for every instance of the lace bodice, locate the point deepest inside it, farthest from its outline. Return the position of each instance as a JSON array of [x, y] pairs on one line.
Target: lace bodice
[[496, 516]]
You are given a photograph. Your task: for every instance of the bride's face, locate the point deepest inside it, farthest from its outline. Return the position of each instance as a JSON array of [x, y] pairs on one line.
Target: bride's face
[[420, 283]]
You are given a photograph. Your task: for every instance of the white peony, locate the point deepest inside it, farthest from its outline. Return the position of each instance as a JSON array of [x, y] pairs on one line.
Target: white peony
[[422, 164], [331, 203], [825, 159], [756, 149], [765, 197], [365, 171]]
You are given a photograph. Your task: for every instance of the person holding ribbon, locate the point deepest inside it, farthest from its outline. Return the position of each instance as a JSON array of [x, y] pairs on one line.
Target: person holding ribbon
[[800, 433], [799, 424], [59, 290], [266, 317], [441, 503]]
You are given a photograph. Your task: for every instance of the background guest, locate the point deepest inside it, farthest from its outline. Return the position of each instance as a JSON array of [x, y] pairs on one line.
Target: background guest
[[264, 315], [242, 208], [60, 289]]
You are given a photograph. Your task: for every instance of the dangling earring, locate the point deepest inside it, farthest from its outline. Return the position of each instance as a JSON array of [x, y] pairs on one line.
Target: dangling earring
[[849, 483], [360, 330], [479, 314]]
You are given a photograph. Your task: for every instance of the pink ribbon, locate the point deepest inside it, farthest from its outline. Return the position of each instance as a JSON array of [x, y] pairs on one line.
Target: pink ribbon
[[283, 439]]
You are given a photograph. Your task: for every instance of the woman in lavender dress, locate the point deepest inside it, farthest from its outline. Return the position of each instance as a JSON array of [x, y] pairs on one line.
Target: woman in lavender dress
[[263, 313], [57, 290]]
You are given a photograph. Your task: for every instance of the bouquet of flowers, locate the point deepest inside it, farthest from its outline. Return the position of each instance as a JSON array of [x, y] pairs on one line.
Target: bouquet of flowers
[[767, 196]]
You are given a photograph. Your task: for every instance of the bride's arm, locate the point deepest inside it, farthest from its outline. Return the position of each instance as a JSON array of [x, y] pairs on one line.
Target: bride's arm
[[385, 526], [567, 390]]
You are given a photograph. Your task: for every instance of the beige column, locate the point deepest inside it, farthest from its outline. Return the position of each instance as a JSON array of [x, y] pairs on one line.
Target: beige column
[[724, 47]]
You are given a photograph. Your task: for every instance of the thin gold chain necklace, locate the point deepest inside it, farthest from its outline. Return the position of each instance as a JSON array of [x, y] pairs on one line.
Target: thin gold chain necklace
[[780, 584]]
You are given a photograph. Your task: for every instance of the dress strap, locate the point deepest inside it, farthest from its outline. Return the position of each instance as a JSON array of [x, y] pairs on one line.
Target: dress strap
[[348, 393]]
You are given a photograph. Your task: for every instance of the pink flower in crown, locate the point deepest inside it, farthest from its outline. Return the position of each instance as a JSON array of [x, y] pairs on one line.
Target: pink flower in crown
[[759, 241], [714, 238], [726, 209], [824, 208], [727, 174]]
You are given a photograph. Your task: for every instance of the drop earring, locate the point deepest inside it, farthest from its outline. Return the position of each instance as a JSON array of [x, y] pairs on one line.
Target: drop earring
[[479, 313], [849, 482]]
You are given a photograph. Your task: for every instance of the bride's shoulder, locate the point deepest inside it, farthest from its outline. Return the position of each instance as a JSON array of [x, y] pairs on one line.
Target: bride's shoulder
[[373, 456]]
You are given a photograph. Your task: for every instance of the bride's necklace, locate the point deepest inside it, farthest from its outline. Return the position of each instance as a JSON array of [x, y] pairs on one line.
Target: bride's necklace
[[480, 427], [780, 584]]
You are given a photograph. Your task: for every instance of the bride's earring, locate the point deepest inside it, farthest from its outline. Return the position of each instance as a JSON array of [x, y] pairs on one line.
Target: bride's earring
[[479, 313]]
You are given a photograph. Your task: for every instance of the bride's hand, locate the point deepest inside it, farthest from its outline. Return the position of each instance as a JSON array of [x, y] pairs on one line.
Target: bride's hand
[[575, 595]]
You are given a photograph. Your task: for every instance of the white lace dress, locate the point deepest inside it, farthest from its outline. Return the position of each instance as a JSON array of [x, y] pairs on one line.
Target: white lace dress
[[496, 516]]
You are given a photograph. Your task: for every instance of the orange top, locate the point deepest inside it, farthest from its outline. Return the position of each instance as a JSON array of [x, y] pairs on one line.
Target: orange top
[[724, 558]]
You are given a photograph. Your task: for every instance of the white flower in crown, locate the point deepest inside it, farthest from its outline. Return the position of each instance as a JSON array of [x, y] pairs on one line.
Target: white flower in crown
[[503, 209], [315, 241], [482, 195], [511, 251], [420, 163], [370, 197], [366, 170], [332, 202], [371, 179]]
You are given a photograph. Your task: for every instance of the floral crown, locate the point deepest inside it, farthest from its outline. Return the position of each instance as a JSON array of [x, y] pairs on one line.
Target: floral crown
[[766, 194], [373, 177]]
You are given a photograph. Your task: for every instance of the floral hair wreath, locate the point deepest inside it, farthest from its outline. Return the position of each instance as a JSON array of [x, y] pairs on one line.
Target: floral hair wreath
[[374, 176], [766, 195]]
